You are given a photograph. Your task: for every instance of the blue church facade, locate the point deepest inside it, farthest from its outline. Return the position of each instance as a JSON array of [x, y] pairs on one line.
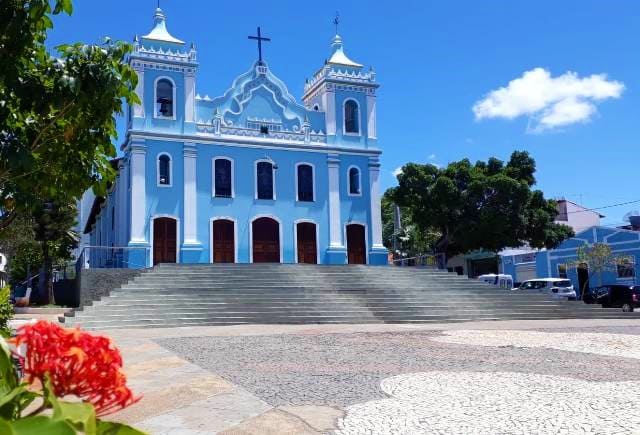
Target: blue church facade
[[249, 176]]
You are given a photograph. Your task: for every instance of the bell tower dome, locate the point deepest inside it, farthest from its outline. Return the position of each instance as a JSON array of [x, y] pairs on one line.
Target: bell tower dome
[[347, 95], [166, 71]]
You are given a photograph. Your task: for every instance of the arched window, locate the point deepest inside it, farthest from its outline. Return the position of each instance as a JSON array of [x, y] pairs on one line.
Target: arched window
[[223, 178], [354, 181], [305, 182], [264, 180], [351, 117], [164, 170], [164, 98]]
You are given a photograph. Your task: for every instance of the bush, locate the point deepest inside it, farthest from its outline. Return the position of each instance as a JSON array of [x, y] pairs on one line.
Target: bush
[[6, 311]]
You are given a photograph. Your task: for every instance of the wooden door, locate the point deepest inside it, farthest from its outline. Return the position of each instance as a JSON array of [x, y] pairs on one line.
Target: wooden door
[[307, 246], [356, 244], [165, 240], [223, 241], [266, 241]]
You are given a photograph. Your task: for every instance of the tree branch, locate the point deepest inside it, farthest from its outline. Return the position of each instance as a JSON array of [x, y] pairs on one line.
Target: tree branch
[[6, 219], [35, 144]]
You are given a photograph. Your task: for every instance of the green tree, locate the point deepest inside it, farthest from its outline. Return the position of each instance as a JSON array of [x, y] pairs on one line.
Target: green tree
[[411, 240], [53, 228], [23, 251], [487, 205], [57, 113], [598, 258], [41, 240]]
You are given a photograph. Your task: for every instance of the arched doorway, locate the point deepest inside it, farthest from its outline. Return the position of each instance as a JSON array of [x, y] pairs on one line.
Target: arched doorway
[[223, 243], [266, 240], [306, 243], [356, 244], [165, 241]]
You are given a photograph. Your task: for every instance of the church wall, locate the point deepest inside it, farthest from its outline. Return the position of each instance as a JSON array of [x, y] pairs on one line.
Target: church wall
[[164, 200], [244, 207], [355, 209]]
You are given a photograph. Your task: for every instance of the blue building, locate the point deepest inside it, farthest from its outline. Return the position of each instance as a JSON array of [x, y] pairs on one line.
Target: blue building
[[560, 262], [249, 176]]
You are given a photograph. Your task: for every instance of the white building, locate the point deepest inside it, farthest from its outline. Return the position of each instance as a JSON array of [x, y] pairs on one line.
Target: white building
[[576, 216]]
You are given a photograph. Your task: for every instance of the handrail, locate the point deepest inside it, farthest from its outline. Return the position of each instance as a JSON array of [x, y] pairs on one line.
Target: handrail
[[101, 257], [432, 260], [28, 279]]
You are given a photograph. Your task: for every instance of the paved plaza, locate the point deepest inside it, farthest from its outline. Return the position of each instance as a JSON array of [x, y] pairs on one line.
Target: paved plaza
[[547, 377]]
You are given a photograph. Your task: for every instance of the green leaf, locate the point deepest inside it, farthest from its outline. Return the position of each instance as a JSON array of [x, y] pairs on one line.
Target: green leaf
[[67, 6], [10, 403], [39, 425], [81, 415], [8, 377], [112, 428]]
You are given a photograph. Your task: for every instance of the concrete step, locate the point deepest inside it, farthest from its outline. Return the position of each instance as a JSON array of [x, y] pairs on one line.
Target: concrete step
[[188, 295]]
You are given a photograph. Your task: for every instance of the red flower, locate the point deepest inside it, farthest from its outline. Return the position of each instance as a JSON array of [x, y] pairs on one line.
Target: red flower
[[78, 363]]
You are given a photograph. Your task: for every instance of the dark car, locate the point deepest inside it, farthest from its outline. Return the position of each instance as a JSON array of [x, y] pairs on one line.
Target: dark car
[[592, 295], [626, 297]]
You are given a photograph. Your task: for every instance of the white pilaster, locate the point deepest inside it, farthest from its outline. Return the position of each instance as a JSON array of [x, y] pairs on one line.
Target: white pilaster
[[189, 97], [138, 192], [190, 203], [371, 117], [376, 213], [329, 102], [118, 201], [335, 227], [138, 109]]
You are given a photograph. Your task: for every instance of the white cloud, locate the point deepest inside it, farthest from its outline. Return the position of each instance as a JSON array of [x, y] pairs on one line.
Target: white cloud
[[397, 171], [550, 102], [432, 156]]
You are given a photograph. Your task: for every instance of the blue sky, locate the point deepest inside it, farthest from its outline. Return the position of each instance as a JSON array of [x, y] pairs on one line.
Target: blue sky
[[436, 61]]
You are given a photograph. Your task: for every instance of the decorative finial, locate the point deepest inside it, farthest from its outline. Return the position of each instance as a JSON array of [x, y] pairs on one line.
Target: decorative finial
[[336, 21]]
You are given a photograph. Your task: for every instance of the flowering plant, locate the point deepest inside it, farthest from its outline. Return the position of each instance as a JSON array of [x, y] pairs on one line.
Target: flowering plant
[[61, 363]]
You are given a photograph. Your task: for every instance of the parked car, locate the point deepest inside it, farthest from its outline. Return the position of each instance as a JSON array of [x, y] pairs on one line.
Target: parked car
[[592, 295], [555, 287], [626, 297], [497, 279]]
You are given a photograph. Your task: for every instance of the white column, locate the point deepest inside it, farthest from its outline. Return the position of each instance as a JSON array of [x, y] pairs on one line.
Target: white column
[[374, 192], [189, 97], [371, 117], [335, 226], [138, 192], [138, 109], [329, 102], [190, 200]]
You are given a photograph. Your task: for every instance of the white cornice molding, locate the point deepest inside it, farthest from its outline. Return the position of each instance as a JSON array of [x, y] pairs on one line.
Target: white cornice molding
[[251, 142]]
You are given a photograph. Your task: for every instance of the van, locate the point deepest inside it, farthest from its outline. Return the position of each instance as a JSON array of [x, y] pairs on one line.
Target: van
[[497, 279]]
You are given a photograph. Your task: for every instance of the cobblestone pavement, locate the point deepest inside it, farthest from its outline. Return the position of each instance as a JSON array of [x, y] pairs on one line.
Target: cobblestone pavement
[[345, 369], [496, 403], [600, 343], [487, 378]]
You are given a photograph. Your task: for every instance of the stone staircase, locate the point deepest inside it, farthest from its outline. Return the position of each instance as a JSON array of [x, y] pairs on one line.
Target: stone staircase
[[171, 295]]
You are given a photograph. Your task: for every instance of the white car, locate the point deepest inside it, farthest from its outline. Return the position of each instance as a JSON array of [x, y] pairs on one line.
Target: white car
[[559, 288]]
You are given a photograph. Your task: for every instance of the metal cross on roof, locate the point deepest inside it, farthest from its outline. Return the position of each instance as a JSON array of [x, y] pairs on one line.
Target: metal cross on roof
[[336, 21], [260, 38]]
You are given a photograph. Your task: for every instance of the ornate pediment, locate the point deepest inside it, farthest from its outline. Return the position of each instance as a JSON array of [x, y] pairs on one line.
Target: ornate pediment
[[257, 99]]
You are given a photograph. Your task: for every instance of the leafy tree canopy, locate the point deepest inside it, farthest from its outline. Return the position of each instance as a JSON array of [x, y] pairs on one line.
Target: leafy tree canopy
[[411, 241], [487, 205], [57, 113]]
